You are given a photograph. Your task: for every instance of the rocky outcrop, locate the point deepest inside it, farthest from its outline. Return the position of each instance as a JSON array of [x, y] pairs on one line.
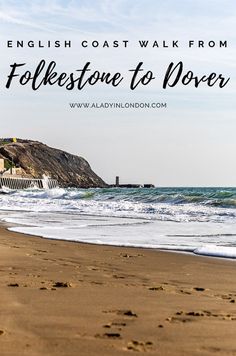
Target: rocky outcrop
[[35, 159]]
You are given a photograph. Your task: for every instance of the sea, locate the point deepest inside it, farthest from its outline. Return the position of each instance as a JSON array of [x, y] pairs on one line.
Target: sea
[[199, 221]]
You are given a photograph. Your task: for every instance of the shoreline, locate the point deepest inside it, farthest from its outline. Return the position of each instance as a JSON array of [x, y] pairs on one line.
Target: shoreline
[[68, 298], [184, 252]]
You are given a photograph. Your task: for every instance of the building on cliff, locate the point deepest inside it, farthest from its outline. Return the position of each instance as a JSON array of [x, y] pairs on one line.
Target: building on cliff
[[2, 165], [15, 183], [12, 177]]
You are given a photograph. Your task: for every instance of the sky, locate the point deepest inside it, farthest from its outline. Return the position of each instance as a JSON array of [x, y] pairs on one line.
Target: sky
[[189, 143]]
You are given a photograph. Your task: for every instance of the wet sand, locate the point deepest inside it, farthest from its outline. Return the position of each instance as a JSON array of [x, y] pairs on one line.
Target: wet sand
[[63, 298]]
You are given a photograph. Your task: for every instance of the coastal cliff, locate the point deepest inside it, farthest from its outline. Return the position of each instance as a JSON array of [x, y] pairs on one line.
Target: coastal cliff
[[36, 159]]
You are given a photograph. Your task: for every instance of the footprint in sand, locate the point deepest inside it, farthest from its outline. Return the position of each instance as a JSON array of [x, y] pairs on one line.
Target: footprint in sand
[[115, 324], [107, 326], [179, 320], [126, 255], [127, 312], [118, 277], [185, 292], [168, 288], [62, 285], [156, 288], [119, 324], [49, 260], [13, 285], [109, 336], [96, 282], [184, 317], [124, 312], [199, 289], [93, 268], [139, 346], [1, 332], [228, 297]]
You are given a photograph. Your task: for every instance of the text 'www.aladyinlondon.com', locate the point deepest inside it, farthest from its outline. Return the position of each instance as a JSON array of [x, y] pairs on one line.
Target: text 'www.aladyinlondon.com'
[[127, 105]]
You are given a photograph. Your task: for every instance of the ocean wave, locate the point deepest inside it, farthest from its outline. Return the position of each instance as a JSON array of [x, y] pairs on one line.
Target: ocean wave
[[196, 220], [216, 251], [164, 204]]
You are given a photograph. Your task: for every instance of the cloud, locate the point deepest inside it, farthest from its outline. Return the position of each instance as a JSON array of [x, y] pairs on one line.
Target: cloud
[[18, 21], [147, 17]]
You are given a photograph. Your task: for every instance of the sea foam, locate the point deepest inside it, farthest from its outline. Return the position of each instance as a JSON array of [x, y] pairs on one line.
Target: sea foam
[[199, 220], [216, 251]]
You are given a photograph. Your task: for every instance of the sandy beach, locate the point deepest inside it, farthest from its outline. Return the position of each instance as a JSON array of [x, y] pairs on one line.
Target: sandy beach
[[64, 298]]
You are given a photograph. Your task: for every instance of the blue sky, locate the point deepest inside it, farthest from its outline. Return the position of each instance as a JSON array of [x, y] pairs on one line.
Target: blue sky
[[190, 143]]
